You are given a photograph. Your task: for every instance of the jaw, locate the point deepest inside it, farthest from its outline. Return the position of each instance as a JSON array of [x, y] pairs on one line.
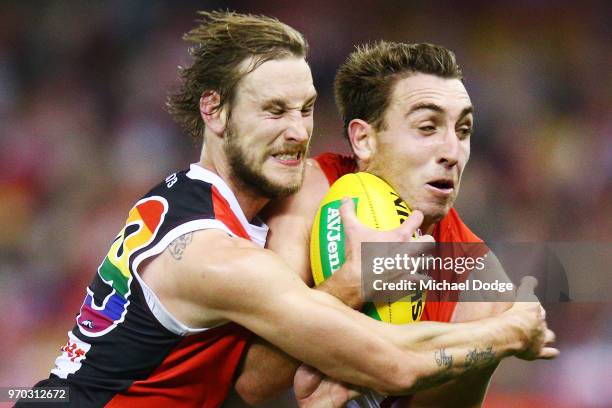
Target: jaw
[[433, 207], [284, 176]]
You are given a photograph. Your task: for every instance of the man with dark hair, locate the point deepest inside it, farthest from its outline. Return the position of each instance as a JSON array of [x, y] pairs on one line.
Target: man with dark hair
[[187, 281], [408, 119], [364, 83]]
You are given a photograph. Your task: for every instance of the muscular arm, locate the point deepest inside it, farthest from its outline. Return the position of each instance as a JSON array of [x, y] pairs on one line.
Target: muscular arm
[[267, 371], [253, 287]]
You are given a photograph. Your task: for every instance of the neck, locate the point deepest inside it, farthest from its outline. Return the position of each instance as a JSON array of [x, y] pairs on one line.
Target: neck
[[250, 202], [428, 226]]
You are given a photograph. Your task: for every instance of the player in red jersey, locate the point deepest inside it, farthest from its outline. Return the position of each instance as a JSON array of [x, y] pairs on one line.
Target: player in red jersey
[[187, 282], [409, 120], [449, 229]]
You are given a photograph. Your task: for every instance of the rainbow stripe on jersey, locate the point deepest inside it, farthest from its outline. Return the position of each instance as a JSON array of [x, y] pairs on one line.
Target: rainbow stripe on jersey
[[104, 307]]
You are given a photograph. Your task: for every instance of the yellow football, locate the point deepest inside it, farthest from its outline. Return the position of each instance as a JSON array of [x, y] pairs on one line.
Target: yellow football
[[378, 206]]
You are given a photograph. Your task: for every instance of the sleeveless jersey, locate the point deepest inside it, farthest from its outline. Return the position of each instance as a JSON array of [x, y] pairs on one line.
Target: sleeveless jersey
[[126, 349]]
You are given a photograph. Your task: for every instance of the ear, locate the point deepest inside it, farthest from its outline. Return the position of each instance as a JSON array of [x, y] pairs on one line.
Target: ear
[[363, 142], [214, 118]]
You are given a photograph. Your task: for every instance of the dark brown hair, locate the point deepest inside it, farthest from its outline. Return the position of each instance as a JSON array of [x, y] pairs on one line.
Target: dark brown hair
[[364, 82], [223, 40]]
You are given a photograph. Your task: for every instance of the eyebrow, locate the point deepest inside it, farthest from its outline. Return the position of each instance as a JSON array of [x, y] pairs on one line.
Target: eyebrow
[[466, 111], [437, 108], [281, 103]]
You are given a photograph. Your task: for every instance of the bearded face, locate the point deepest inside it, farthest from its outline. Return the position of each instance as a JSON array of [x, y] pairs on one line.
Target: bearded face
[[269, 129], [249, 165]]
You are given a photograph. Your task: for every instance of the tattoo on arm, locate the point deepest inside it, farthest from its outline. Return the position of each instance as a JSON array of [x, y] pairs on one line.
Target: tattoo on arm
[[475, 358], [443, 359], [177, 247]]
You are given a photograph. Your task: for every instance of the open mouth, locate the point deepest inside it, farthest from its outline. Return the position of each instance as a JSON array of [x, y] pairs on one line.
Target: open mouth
[[289, 158], [442, 185]]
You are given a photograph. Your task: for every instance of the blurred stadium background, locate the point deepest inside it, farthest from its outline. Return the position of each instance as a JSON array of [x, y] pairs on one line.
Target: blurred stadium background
[[83, 134]]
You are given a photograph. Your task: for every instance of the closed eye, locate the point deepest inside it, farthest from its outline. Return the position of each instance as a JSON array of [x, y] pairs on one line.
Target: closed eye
[[276, 112], [465, 132], [307, 111], [427, 130]]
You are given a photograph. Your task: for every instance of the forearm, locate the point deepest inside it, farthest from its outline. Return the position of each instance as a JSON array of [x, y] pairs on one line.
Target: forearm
[[419, 355], [319, 330], [451, 350], [413, 357], [266, 370], [469, 389], [471, 395]]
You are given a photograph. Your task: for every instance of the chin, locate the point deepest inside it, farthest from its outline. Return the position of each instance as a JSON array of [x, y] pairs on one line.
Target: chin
[[433, 213], [289, 180], [294, 185], [282, 188]]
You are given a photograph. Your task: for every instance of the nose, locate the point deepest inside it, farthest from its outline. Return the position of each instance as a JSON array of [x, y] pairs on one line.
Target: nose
[[448, 153], [298, 128]]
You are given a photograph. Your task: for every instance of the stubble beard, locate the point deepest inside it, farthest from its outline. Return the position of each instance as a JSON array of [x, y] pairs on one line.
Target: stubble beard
[[249, 173], [433, 212]]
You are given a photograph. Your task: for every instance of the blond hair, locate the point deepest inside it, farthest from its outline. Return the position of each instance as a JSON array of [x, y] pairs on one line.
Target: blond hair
[[223, 40]]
